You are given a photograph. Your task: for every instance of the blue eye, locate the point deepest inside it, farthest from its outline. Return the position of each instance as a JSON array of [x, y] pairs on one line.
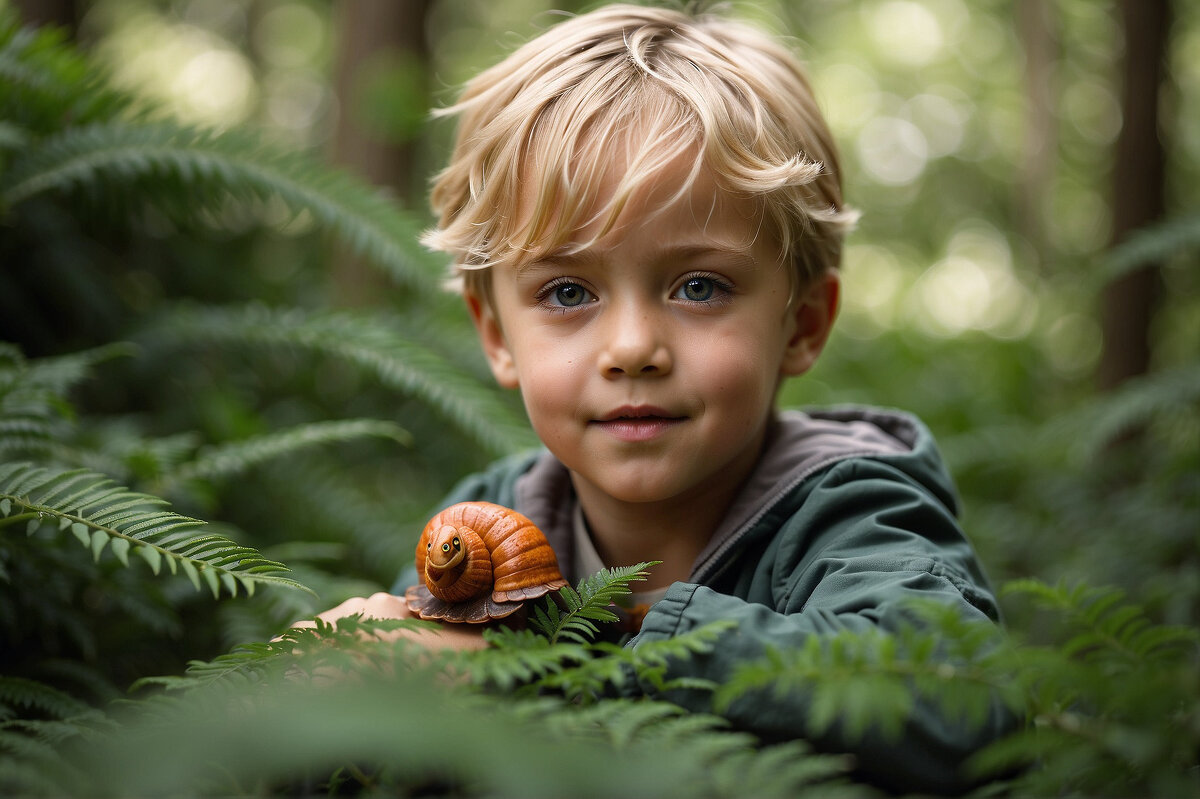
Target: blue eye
[[569, 295], [697, 289]]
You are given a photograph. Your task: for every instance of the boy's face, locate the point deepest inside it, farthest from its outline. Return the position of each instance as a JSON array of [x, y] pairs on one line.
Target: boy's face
[[649, 362]]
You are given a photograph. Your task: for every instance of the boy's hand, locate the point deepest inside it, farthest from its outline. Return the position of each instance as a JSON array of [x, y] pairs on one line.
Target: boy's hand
[[383, 605]]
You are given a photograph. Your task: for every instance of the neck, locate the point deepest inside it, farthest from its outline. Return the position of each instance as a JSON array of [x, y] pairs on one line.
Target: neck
[[674, 530]]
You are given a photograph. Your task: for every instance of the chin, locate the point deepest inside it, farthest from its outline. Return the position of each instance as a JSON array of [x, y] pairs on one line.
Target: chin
[[638, 492]]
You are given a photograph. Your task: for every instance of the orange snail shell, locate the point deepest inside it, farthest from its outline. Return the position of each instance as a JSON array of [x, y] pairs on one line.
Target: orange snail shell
[[478, 561]]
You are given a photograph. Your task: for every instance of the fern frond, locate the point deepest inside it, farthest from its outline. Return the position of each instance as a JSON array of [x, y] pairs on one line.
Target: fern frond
[[380, 531], [1149, 245], [45, 83], [373, 343], [1092, 426], [33, 404], [1105, 625], [25, 774], [872, 679], [18, 692], [60, 373], [617, 666], [790, 769], [587, 604], [12, 137], [848, 677], [187, 171], [648, 723], [717, 760], [99, 513], [516, 658], [350, 645], [234, 457]]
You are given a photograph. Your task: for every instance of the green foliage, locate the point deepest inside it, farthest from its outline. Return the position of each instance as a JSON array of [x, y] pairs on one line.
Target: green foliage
[[33, 405], [45, 83], [1113, 709], [319, 692], [99, 513], [353, 699], [235, 457], [378, 344], [247, 400], [1157, 243], [873, 681], [156, 161], [587, 604]]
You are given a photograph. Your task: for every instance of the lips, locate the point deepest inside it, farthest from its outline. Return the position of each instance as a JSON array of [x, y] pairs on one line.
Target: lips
[[633, 423]]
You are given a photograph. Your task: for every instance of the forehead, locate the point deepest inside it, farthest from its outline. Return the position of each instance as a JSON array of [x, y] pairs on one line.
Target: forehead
[[679, 199]]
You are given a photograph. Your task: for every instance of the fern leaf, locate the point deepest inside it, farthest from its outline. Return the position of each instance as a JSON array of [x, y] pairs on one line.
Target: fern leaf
[[616, 667], [1091, 427], [871, 679], [373, 343], [33, 405], [790, 769], [517, 658], [234, 457], [44, 83], [98, 511], [24, 775], [1107, 627], [1149, 245], [18, 692], [588, 603], [108, 159]]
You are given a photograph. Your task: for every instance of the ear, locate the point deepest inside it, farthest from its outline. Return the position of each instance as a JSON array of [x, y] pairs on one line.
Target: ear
[[491, 336], [810, 318]]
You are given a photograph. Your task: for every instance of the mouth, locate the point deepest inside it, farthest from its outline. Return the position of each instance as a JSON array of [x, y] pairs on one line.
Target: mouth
[[637, 422]]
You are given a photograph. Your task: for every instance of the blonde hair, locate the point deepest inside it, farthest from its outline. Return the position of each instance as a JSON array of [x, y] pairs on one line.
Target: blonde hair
[[642, 87]]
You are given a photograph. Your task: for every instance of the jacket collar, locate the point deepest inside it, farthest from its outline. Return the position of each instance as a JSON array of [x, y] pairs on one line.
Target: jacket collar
[[799, 444]]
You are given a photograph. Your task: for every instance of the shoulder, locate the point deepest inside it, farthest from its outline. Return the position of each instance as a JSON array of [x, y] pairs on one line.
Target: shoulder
[[879, 522], [806, 454], [813, 438], [864, 470], [802, 446], [842, 442]]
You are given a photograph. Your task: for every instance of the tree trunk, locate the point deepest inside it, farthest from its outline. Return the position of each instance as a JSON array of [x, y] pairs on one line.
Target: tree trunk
[[1039, 39], [368, 32], [1129, 303], [63, 13]]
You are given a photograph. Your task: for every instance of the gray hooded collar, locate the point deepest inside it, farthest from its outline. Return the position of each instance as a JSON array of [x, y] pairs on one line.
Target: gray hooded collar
[[799, 444]]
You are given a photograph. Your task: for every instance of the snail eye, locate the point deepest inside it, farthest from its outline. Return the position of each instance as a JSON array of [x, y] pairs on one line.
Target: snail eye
[[445, 547], [457, 544]]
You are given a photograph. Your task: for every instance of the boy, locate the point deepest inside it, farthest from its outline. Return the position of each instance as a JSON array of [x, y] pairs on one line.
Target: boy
[[645, 215]]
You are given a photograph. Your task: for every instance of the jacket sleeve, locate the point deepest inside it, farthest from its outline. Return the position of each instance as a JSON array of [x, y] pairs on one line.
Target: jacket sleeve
[[865, 541]]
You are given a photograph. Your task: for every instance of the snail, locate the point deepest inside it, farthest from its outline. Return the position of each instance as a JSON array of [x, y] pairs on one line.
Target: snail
[[478, 561]]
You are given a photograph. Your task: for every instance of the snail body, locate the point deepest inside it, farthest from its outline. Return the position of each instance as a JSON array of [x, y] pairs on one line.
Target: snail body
[[479, 561]]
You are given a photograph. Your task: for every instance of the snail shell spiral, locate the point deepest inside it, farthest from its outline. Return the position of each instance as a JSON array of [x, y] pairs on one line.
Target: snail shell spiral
[[479, 561]]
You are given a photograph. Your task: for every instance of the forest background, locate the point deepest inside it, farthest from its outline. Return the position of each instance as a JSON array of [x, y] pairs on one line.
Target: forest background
[[201, 305]]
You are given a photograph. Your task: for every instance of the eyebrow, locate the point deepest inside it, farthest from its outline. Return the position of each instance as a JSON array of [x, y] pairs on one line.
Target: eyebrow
[[740, 256]]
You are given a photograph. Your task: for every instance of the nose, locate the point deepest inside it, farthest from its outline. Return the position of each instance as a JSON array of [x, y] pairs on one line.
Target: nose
[[635, 345]]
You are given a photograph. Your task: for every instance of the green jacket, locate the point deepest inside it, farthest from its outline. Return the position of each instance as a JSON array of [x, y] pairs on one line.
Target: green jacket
[[849, 514]]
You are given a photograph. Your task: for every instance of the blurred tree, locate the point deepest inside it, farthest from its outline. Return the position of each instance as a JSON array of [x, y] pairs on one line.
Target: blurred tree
[[381, 50], [63, 13], [1036, 26], [1138, 191]]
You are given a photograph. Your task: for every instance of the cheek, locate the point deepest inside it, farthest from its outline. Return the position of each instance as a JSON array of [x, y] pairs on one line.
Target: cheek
[[550, 389], [737, 366]]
